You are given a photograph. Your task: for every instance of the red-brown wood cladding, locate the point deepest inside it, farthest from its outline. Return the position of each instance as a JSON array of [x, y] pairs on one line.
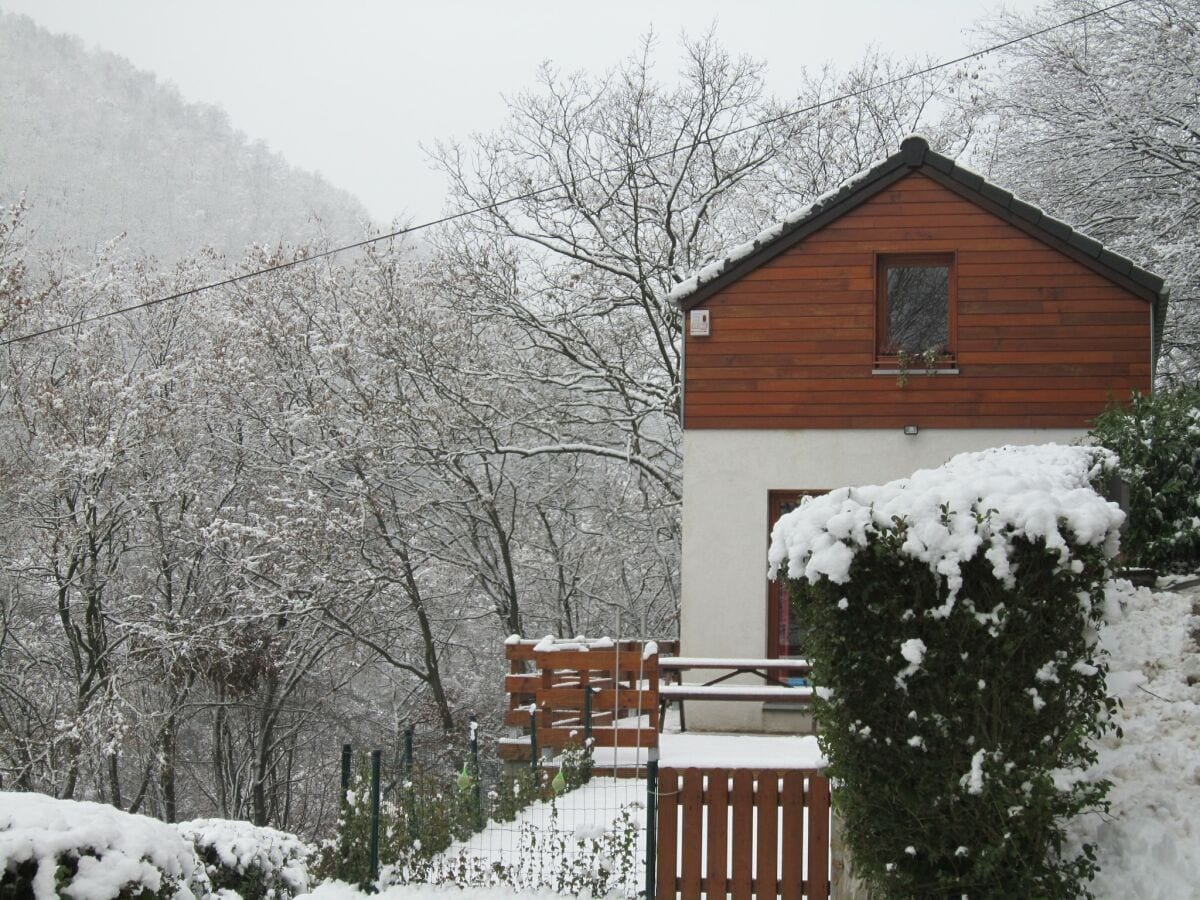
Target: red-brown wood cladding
[[1042, 340]]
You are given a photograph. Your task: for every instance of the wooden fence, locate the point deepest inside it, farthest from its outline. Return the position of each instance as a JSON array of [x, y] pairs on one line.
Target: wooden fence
[[742, 833], [596, 689]]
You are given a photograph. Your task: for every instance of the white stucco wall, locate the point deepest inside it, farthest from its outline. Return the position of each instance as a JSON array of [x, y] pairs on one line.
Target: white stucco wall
[[727, 475]]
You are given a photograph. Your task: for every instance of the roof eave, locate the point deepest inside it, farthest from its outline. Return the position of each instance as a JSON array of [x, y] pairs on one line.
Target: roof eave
[[881, 177], [915, 155]]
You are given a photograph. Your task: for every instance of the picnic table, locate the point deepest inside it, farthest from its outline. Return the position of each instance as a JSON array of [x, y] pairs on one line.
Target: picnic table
[[773, 688]]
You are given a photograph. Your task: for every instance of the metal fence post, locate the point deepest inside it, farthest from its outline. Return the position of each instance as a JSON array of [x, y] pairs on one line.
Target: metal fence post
[[533, 745], [376, 762], [344, 810], [651, 820], [410, 790], [587, 713], [476, 773]]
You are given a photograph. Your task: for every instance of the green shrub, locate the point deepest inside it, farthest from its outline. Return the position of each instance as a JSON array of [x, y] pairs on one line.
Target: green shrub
[[576, 764], [516, 790], [951, 620], [1158, 441], [256, 862], [427, 814]]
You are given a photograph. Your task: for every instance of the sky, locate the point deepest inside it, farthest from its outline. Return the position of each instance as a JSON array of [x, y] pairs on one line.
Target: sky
[[355, 89]]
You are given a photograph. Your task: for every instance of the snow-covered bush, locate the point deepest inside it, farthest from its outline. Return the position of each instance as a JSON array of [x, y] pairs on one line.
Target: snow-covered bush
[[88, 851], [258, 863], [1157, 439], [951, 619]]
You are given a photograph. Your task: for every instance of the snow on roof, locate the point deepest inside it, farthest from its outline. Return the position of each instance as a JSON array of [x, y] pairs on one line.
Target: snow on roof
[[915, 154], [767, 236], [1037, 492]]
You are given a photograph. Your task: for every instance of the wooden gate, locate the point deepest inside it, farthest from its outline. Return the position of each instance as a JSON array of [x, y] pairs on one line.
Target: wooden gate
[[743, 833]]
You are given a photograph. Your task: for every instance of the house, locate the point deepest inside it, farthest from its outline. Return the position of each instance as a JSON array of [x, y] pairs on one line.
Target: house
[[915, 313]]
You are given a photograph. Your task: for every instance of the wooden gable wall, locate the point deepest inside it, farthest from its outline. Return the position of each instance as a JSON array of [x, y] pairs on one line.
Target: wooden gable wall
[[1043, 341]]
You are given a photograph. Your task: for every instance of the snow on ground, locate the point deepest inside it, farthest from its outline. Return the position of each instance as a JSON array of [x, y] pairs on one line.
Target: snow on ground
[[746, 751], [118, 849], [338, 890], [600, 824], [1149, 845]]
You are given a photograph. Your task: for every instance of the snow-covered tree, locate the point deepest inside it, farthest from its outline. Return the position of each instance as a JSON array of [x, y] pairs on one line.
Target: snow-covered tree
[[1099, 123]]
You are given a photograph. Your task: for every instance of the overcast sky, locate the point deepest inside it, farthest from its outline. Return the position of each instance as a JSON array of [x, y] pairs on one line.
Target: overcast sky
[[353, 89]]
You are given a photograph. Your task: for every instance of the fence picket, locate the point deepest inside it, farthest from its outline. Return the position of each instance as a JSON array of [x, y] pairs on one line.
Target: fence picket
[[741, 866], [767, 818], [668, 830], [792, 845], [692, 795], [818, 839], [717, 802]]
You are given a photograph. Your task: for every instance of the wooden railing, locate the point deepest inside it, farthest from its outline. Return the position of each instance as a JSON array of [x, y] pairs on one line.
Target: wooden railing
[[603, 690]]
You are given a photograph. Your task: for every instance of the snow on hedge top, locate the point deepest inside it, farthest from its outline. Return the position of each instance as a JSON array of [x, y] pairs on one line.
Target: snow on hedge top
[[240, 846], [116, 849], [976, 502]]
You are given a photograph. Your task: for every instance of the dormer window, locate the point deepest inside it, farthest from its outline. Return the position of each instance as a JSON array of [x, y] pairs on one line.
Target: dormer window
[[914, 307]]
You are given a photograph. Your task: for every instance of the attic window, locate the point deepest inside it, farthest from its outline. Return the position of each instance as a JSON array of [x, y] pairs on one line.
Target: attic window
[[915, 308]]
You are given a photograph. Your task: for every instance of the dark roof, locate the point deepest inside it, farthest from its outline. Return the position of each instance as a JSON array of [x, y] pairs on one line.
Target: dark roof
[[915, 155]]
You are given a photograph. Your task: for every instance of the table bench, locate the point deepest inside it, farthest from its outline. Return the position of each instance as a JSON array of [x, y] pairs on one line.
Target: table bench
[[773, 690]]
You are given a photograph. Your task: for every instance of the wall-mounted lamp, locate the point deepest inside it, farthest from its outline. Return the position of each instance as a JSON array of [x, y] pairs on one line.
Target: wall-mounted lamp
[[910, 430]]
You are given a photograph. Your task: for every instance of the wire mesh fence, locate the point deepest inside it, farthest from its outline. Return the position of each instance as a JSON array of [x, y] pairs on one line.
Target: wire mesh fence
[[543, 824]]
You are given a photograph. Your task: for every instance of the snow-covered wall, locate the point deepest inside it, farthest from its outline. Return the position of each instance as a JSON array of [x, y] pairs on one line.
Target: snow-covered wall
[[727, 475]]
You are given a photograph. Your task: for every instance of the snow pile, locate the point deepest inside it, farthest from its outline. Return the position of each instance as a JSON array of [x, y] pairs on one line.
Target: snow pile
[[1148, 846], [102, 850], [550, 643], [975, 503], [235, 852]]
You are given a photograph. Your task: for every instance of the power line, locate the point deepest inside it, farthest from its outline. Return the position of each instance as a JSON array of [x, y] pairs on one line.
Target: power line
[[529, 195]]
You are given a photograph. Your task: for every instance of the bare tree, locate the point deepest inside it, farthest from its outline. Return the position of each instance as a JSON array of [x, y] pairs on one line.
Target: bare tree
[[1099, 123]]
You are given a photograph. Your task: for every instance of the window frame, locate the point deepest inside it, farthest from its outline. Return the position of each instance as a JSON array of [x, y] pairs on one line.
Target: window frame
[[777, 589], [883, 261]]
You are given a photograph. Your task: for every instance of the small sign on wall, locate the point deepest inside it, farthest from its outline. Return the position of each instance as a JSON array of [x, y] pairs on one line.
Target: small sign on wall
[[698, 322]]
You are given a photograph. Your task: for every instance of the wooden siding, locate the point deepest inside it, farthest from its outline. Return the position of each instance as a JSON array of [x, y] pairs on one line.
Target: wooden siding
[[1042, 341]]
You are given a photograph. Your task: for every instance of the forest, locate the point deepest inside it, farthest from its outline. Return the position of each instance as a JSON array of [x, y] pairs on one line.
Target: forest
[[304, 508]]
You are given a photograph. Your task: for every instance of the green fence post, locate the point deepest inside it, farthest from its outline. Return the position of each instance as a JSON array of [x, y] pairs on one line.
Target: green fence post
[[410, 789], [344, 811], [533, 747], [651, 820], [476, 773], [587, 713], [376, 762]]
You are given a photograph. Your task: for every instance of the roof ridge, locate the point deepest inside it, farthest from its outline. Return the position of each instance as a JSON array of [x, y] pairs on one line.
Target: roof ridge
[[914, 154]]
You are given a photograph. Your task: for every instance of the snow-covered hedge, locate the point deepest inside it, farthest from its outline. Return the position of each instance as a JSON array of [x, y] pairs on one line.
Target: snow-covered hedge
[[258, 863], [951, 621], [88, 851]]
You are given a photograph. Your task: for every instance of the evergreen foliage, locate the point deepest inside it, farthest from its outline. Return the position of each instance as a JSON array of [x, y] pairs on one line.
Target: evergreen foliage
[[959, 723], [1157, 438]]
